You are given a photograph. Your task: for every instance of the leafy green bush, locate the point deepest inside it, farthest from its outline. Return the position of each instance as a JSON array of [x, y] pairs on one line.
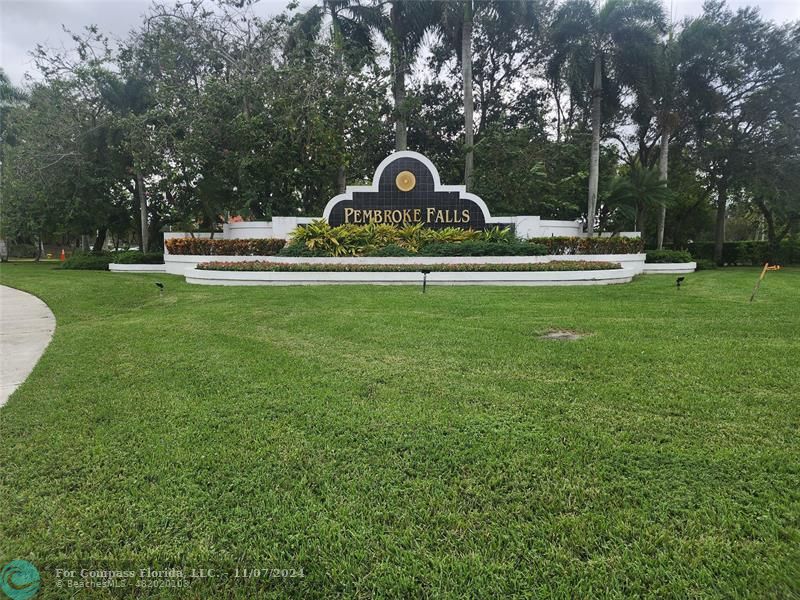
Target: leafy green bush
[[593, 245], [258, 265], [134, 257], [390, 250], [297, 248], [197, 246], [749, 252], [703, 264], [668, 256], [90, 261], [21, 251]]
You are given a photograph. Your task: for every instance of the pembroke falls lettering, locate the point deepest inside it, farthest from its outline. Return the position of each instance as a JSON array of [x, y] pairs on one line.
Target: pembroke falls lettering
[[407, 216]]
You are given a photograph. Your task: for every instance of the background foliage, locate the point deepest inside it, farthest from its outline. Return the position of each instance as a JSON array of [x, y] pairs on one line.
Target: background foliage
[[208, 111]]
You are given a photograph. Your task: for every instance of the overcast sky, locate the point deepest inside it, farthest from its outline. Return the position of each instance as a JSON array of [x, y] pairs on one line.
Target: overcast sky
[[25, 23]]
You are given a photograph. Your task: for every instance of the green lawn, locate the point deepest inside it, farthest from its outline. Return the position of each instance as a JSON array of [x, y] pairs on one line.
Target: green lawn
[[394, 444]]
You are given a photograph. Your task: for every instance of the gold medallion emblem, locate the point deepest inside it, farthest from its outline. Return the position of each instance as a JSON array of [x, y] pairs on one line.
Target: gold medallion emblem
[[405, 181]]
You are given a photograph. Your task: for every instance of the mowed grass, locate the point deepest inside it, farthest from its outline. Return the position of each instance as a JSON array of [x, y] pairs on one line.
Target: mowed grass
[[394, 444]]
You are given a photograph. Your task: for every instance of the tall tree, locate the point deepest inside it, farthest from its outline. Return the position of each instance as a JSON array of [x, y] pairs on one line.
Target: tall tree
[[458, 24], [404, 29], [601, 48], [737, 68], [128, 100], [350, 34]]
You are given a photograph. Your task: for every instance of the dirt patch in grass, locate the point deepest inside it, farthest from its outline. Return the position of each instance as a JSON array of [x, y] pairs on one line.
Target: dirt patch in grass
[[563, 335]]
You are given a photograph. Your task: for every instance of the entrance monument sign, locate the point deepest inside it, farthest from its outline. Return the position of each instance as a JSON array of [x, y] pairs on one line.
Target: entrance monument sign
[[406, 190]]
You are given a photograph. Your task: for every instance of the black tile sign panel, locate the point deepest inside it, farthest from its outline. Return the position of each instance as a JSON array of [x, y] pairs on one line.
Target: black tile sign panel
[[426, 202]]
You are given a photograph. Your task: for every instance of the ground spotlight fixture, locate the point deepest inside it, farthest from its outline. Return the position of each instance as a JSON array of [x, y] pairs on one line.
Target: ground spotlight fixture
[[424, 279], [160, 287], [679, 281]]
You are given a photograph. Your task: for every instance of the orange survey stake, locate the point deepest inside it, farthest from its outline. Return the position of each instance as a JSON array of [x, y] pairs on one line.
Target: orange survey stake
[[766, 268]]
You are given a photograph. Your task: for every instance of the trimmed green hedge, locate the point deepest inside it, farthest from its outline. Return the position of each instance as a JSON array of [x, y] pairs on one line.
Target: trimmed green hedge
[[257, 265], [197, 246], [593, 245], [134, 257], [668, 256], [748, 252], [466, 248], [89, 262], [480, 248]]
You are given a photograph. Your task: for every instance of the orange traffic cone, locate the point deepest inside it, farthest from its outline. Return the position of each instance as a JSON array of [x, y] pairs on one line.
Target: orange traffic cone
[[63, 256]]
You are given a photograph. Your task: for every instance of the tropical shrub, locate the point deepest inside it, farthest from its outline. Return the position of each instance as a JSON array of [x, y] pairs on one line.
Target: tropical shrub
[[590, 245], [257, 265], [134, 257], [318, 238], [668, 256], [89, 262], [298, 249], [197, 246]]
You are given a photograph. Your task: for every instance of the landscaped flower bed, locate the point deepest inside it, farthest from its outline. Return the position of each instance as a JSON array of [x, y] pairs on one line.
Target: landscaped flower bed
[[256, 265], [593, 245], [247, 247]]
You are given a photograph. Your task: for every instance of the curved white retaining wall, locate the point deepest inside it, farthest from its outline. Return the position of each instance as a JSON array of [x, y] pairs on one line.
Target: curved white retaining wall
[[654, 268], [115, 268], [602, 277], [177, 264]]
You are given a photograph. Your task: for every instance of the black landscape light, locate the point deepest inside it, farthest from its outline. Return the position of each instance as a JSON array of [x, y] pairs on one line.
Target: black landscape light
[[160, 287], [424, 280], [679, 281]]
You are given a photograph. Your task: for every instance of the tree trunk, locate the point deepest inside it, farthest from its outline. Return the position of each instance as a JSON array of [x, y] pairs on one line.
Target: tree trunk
[[400, 125], [557, 99], [341, 179], [640, 210], [398, 61], [142, 210], [341, 172], [99, 240], [719, 239], [466, 69], [594, 160], [663, 166], [772, 236]]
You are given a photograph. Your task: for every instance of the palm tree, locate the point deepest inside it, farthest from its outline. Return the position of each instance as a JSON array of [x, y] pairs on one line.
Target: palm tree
[[404, 30], [636, 191], [351, 26], [667, 117], [592, 45], [457, 25]]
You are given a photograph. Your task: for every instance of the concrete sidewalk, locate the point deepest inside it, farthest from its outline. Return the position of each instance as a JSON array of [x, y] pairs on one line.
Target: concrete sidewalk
[[26, 327]]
